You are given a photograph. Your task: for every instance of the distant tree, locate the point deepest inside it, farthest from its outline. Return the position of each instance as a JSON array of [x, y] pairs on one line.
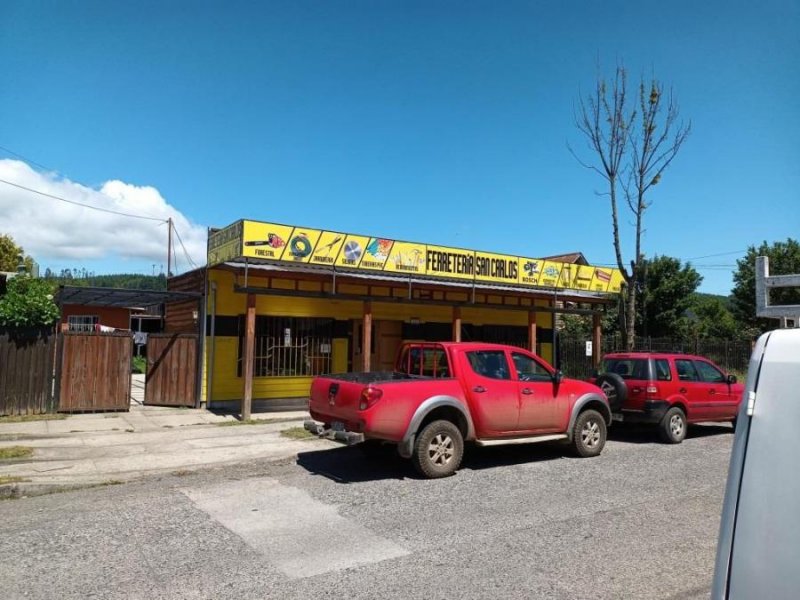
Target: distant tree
[[134, 281], [633, 141], [28, 302], [576, 325], [784, 259], [10, 254], [709, 317], [667, 289]]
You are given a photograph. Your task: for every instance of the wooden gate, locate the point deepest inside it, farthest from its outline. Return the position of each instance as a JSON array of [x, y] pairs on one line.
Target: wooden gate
[[27, 361], [171, 378], [95, 371]]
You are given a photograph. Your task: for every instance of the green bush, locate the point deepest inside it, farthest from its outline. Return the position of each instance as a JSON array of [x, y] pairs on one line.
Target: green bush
[[28, 302], [139, 364]]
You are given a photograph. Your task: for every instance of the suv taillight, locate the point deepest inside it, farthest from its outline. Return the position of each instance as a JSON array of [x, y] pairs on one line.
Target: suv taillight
[[369, 396]]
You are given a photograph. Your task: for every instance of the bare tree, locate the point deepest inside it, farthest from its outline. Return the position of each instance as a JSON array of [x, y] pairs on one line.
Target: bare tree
[[632, 146]]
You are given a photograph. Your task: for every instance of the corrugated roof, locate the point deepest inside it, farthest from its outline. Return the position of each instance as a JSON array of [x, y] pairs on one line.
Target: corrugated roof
[[118, 297]]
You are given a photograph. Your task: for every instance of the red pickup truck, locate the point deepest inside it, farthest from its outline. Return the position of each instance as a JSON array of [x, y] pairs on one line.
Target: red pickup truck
[[443, 394]]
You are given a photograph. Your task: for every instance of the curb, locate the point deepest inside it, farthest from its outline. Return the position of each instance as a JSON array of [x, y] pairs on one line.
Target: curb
[[16, 491]]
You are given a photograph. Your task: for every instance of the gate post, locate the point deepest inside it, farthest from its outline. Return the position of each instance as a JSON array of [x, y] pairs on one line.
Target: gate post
[[249, 351], [596, 340], [366, 337], [456, 323], [532, 331]]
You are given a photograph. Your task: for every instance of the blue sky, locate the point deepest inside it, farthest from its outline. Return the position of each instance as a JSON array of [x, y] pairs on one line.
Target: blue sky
[[441, 122]]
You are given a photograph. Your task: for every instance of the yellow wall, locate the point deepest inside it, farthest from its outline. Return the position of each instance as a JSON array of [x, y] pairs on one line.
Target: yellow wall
[[227, 385]]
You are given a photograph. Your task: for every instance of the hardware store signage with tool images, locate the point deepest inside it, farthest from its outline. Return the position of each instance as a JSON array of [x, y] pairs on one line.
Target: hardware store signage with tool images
[[285, 243]]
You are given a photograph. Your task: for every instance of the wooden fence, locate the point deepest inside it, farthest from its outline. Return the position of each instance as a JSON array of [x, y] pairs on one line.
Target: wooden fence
[[27, 360], [95, 371], [171, 378]]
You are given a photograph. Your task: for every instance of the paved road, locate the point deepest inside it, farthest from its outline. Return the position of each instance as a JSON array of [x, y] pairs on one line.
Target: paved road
[[638, 522]]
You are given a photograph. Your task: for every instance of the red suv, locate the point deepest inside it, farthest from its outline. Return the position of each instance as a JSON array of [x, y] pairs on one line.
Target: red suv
[[668, 390]]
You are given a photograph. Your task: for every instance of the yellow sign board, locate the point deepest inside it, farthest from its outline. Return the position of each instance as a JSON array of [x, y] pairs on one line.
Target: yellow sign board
[[441, 261], [497, 268], [285, 243]]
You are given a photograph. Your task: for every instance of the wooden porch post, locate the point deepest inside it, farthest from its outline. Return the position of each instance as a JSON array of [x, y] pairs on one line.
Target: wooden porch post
[[596, 340], [456, 323], [366, 337], [249, 351], [532, 330]]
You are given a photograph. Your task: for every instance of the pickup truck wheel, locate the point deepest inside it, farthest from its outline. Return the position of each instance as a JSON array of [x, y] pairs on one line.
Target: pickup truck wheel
[[438, 450], [672, 428], [589, 434]]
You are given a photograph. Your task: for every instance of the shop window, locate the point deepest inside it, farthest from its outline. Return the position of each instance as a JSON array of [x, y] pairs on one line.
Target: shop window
[[289, 347]]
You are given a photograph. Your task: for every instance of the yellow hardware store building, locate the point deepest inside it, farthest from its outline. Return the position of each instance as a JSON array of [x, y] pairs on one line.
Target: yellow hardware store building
[[286, 303]]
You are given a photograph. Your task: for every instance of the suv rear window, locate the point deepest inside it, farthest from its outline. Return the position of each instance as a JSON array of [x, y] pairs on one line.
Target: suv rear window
[[628, 368]]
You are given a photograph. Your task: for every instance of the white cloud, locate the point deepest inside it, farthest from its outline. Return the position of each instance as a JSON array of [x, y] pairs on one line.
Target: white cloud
[[50, 230]]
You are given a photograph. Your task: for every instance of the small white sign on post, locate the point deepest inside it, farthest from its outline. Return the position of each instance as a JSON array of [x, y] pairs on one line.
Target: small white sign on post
[[287, 337], [589, 348]]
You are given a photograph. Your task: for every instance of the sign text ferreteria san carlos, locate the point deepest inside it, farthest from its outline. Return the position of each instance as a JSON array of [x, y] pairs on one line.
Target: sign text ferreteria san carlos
[[286, 243]]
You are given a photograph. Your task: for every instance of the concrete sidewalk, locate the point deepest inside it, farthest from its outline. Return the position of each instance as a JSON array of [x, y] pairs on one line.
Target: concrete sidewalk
[[90, 449]]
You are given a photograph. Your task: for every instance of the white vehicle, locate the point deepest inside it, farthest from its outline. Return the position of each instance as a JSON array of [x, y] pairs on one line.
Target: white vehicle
[[758, 555]]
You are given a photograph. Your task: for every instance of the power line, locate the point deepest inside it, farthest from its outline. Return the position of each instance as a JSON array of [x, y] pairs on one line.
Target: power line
[[720, 254], [105, 210], [26, 159], [185, 251]]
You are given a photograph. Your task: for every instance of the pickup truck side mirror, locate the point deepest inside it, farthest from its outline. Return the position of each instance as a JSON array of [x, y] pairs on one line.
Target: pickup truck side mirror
[[558, 377], [731, 379]]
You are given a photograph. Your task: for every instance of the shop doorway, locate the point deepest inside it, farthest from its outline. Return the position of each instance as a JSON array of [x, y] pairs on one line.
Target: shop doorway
[[386, 339]]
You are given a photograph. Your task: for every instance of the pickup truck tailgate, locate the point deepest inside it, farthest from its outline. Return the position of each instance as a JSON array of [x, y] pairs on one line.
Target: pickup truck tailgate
[[337, 397], [386, 409]]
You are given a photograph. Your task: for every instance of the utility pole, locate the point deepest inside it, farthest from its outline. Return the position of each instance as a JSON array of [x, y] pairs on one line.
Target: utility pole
[[169, 248]]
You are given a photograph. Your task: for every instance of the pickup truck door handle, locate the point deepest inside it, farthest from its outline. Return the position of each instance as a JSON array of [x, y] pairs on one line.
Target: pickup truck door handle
[[712, 392], [682, 390], [527, 391], [479, 389]]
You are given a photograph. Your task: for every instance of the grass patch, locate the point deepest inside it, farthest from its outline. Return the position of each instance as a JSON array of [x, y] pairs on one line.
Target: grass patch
[[11, 479], [15, 452], [246, 422], [139, 365], [297, 433], [26, 418]]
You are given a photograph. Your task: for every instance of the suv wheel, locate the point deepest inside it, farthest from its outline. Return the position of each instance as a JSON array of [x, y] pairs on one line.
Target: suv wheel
[[673, 426], [438, 450], [589, 434]]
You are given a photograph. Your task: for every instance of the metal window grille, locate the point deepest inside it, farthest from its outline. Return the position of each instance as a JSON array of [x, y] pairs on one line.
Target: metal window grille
[[289, 347], [82, 322]]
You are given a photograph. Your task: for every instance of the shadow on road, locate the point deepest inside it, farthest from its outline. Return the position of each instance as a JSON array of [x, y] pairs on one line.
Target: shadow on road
[[350, 465], [648, 434]]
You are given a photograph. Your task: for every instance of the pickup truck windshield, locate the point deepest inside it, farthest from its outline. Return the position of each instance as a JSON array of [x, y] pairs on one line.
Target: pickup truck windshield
[[425, 361]]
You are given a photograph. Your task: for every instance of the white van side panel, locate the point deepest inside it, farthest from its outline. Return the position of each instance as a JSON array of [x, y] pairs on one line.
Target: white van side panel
[[765, 562]]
